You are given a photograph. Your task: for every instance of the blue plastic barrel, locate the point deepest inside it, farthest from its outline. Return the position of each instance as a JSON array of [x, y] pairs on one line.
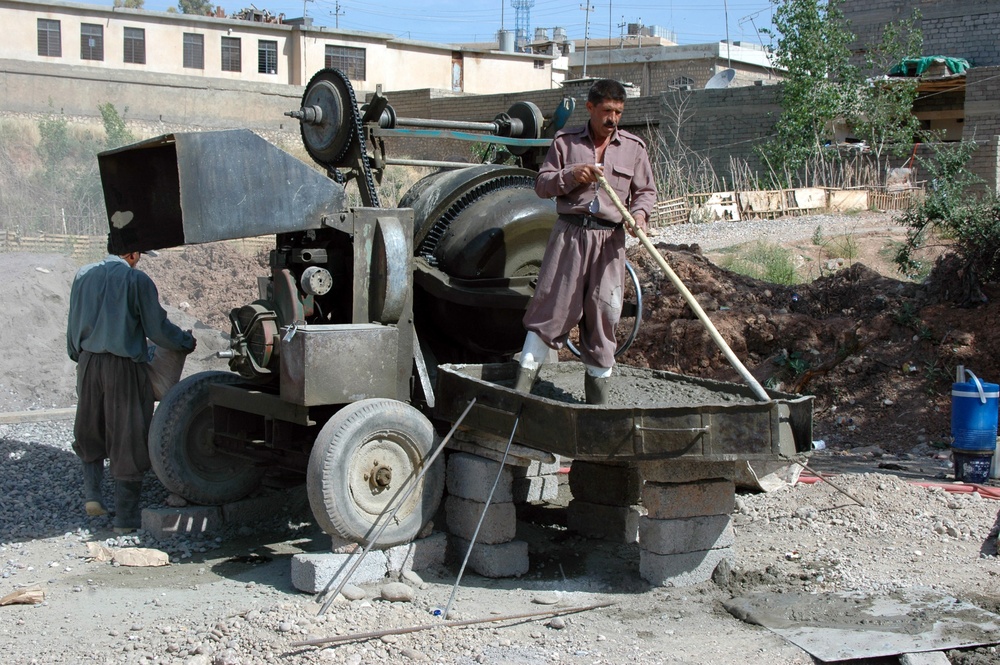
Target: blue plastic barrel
[[974, 406]]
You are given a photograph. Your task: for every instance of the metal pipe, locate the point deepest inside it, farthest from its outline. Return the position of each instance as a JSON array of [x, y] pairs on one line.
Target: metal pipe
[[447, 124], [428, 162]]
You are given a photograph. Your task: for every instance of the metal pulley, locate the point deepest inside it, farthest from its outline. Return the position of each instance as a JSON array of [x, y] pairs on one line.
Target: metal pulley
[[326, 118]]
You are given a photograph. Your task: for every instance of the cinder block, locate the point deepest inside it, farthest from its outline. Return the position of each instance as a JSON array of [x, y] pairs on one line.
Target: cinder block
[[536, 488], [313, 572], [664, 501], [166, 522], [499, 525], [508, 559], [536, 468], [690, 534], [924, 658], [618, 524], [419, 554], [472, 477], [686, 471], [607, 484], [681, 569], [255, 510]]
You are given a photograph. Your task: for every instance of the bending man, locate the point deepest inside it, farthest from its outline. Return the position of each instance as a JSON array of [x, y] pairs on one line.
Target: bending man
[[112, 310]]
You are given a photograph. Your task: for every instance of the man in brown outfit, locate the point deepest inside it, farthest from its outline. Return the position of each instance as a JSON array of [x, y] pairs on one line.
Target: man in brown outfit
[[113, 308], [582, 276]]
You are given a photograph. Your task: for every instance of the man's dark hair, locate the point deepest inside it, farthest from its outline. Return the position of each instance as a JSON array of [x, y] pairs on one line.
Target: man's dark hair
[[606, 89]]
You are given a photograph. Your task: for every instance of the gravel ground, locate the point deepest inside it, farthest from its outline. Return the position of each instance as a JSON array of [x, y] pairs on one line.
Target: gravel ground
[[228, 600]]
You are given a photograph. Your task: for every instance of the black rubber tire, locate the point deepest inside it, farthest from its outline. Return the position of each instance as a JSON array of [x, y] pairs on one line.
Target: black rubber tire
[[179, 448], [369, 434]]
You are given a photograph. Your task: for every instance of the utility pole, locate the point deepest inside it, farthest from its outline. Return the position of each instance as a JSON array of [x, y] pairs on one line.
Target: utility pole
[[336, 15], [304, 7], [586, 35], [621, 30]]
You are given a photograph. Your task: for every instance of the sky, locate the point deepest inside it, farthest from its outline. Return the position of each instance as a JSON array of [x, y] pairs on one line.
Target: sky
[[459, 21]]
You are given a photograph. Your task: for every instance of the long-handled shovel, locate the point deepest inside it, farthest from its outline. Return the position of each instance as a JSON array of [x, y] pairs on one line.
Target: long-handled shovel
[[692, 303]]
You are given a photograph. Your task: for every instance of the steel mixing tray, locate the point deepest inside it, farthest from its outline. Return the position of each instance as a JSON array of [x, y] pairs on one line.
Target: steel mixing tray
[[651, 414]]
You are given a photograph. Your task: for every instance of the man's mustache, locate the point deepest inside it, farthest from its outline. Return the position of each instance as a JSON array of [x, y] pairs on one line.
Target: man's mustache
[[610, 124]]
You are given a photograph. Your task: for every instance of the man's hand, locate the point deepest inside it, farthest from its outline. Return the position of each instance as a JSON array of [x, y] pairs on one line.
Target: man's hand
[[194, 341], [587, 174], [640, 221]]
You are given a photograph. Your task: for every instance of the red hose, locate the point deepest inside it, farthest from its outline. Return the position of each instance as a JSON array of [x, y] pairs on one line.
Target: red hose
[[984, 491]]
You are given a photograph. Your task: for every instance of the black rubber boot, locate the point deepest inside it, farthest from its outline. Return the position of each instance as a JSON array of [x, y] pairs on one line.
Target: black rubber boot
[[595, 389], [128, 518], [93, 475], [525, 378]]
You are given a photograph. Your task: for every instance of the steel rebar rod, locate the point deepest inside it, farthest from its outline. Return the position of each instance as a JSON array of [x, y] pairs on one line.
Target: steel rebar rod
[[374, 539]]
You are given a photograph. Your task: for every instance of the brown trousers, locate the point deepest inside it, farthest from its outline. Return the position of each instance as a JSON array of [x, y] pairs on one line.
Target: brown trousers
[[113, 414], [581, 281]]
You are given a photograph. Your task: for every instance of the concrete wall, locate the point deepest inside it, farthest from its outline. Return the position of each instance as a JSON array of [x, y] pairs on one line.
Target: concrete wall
[[957, 28], [151, 98], [982, 122], [723, 124]]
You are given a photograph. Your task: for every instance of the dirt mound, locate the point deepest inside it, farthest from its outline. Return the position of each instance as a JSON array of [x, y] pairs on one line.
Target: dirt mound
[[878, 353]]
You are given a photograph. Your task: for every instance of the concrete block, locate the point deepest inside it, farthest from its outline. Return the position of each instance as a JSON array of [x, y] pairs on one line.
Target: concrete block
[[462, 516], [690, 534], [611, 484], [536, 488], [925, 658], [472, 477], [686, 471], [419, 554], [166, 522], [255, 510], [681, 569], [618, 524], [508, 559], [664, 501], [536, 468], [313, 572]]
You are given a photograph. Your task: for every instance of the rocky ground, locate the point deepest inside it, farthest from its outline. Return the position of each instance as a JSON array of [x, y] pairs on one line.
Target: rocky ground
[[228, 599]]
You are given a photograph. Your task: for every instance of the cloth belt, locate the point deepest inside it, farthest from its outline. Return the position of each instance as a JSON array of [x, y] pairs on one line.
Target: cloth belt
[[588, 221]]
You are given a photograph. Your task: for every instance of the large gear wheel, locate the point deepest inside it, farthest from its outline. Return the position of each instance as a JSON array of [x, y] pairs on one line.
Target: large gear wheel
[[327, 122]]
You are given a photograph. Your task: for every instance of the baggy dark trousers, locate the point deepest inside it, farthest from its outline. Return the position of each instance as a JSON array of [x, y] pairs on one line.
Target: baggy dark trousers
[[113, 413]]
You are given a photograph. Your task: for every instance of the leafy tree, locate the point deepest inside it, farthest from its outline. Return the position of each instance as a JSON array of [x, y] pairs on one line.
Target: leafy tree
[[197, 7], [811, 43], [130, 4], [973, 223], [116, 133]]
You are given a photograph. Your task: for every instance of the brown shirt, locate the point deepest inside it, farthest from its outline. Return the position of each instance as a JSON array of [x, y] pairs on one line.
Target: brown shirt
[[626, 168]]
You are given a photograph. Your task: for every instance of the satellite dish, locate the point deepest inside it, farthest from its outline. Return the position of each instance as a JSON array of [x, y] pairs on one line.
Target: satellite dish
[[721, 80]]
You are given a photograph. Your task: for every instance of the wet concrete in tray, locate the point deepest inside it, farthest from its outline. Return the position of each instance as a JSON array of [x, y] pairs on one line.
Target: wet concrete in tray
[[635, 387]]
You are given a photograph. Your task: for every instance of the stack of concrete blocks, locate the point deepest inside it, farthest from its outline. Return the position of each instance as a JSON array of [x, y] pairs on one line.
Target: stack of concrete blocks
[[536, 482], [313, 572], [469, 480], [687, 530], [605, 500]]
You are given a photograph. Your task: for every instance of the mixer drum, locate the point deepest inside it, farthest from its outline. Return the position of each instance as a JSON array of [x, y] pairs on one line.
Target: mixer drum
[[479, 235]]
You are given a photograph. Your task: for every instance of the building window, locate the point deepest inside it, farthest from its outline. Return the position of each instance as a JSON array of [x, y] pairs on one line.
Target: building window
[[539, 64], [91, 42], [231, 55], [49, 39], [681, 83], [347, 59], [135, 46], [267, 57], [194, 51]]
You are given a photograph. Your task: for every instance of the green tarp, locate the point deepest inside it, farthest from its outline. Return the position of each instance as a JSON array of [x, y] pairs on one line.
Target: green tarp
[[917, 66]]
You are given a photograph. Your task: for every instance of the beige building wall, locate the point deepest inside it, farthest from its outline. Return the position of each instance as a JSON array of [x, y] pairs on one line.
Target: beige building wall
[[301, 50]]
